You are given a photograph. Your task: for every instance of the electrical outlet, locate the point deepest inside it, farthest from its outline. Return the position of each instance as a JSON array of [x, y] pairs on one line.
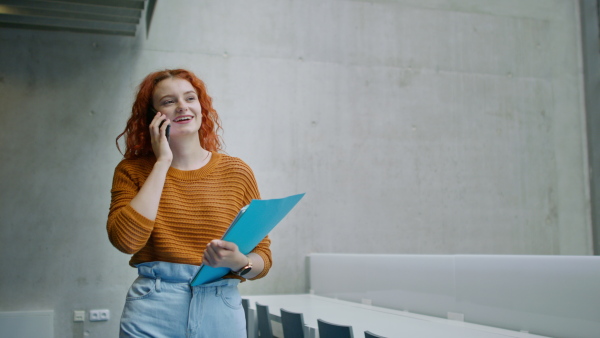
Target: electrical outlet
[[78, 315], [456, 316], [99, 315]]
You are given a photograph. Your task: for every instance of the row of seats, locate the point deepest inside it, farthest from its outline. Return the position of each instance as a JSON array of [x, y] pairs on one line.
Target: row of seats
[[293, 325]]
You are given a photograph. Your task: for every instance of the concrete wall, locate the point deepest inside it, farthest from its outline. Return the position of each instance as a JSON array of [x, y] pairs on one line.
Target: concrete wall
[[414, 126], [591, 57]]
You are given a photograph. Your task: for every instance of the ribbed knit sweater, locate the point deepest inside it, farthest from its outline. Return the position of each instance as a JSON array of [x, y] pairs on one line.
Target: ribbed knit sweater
[[195, 207]]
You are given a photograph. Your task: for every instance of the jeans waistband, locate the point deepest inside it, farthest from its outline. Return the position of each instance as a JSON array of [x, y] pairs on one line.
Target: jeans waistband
[[177, 273]]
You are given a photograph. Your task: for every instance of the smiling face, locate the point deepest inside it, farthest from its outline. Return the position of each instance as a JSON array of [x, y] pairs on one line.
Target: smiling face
[[178, 100]]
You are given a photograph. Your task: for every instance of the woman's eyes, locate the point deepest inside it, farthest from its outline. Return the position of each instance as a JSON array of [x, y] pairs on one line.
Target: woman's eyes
[[189, 99]]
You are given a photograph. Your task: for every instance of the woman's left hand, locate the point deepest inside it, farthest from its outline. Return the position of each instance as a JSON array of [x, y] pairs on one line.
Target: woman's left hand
[[223, 254]]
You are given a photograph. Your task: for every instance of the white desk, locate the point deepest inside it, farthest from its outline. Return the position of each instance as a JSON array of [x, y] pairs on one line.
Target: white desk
[[382, 321], [550, 295]]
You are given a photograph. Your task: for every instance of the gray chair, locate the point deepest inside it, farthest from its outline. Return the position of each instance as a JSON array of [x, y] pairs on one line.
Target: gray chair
[[330, 330], [292, 324], [264, 321], [369, 334], [246, 305]]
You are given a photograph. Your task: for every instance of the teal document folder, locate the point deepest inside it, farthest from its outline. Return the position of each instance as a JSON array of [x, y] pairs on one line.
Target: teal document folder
[[250, 226]]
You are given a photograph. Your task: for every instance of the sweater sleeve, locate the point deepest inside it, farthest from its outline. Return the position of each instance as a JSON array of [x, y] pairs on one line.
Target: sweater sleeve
[[127, 230], [263, 248]]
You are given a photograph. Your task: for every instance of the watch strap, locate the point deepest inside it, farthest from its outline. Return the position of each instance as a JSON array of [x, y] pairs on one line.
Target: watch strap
[[245, 269]]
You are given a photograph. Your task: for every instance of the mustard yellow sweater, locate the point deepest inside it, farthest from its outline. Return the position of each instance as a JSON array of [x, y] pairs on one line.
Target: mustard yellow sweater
[[196, 207]]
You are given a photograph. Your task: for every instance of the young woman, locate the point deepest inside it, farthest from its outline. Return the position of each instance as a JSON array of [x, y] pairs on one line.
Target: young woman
[[172, 200]]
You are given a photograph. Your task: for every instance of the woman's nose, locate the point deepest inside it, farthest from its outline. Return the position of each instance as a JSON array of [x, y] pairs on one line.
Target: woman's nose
[[181, 106]]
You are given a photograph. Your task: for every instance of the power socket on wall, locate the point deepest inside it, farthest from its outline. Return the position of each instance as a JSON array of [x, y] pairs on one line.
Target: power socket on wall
[[456, 316], [99, 315]]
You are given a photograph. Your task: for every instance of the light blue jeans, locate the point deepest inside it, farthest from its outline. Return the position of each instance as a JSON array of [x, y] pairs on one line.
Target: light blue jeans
[[162, 304]]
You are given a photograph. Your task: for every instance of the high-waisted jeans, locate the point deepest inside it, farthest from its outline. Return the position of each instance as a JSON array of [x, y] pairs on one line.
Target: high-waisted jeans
[[162, 304]]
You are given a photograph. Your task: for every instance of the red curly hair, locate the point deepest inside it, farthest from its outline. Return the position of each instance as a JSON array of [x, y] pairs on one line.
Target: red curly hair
[[137, 132]]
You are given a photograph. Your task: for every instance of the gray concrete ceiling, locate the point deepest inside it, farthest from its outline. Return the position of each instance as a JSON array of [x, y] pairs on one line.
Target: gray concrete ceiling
[[113, 17]]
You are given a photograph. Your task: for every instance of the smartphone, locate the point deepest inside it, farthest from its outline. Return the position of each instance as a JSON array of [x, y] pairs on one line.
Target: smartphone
[[151, 114], [167, 131]]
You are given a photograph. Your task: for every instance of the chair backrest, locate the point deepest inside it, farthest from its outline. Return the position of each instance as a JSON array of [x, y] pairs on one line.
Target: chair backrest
[[292, 324], [330, 330], [264, 321], [369, 334], [246, 305]]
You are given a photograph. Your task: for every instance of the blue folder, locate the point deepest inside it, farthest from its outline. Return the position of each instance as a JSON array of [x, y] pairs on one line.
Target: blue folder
[[251, 225]]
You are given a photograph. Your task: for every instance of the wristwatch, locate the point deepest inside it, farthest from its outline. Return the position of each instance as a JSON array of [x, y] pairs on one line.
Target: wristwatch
[[245, 269]]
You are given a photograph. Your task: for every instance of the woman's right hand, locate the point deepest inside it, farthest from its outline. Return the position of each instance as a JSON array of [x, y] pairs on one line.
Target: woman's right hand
[[160, 144]]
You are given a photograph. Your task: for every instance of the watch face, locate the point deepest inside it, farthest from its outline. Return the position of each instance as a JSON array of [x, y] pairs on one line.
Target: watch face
[[245, 271]]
